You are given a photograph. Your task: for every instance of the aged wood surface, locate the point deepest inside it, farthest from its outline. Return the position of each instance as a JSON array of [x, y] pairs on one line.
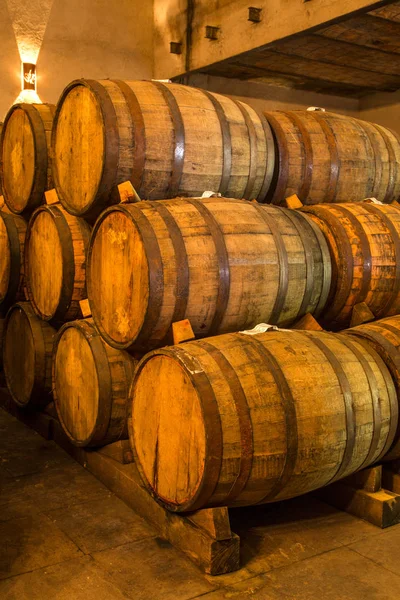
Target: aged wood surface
[[55, 263], [25, 153], [167, 139], [91, 383], [364, 242], [225, 265], [27, 356], [243, 419]]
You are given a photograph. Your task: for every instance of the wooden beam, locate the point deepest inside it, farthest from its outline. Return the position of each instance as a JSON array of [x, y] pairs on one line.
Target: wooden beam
[[236, 34]]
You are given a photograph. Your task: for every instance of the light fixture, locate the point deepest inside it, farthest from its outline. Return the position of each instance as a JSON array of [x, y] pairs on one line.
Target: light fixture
[[28, 85], [28, 76]]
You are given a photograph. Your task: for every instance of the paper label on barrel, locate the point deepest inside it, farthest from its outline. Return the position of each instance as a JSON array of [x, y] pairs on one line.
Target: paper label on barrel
[[262, 328]]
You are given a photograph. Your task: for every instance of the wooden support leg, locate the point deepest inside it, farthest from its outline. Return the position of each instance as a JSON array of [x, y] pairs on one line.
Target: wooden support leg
[[361, 314], [119, 451], [205, 536], [362, 495], [391, 476], [307, 323]]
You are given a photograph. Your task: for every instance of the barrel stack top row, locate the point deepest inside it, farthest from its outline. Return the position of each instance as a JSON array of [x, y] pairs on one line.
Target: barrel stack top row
[[171, 140]]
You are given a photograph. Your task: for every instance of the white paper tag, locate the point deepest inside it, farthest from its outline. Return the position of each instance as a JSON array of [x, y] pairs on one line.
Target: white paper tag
[[209, 194], [262, 328]]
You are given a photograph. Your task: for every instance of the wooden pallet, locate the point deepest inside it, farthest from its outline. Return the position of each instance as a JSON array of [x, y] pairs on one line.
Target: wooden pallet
[[205, 536]]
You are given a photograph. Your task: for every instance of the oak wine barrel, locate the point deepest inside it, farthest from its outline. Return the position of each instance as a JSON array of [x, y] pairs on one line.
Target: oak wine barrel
[[167, 139], [91, 384], [327, 157], [384, 336], [12, 243], [242, 419], [364, 241], [27, 356], [223, 264], [55, 263], [25, 155]]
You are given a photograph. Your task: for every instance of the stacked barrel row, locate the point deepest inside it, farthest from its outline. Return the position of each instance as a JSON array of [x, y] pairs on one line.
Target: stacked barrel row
[[231, 418]]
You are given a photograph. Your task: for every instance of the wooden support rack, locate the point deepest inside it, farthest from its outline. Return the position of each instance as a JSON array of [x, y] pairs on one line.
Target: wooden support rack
[[204, 536]]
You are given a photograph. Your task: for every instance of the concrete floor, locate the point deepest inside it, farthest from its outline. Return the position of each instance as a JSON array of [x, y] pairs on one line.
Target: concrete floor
[[63, 535]]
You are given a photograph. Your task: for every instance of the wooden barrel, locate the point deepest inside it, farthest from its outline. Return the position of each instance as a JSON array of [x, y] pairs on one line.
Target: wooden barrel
[[248, 419], [225, 265], [27, 356], [12, 242], [25, 155], [91, 384], [55, 263], [167, 139], [326, 157], [384, 337], [364, 241]]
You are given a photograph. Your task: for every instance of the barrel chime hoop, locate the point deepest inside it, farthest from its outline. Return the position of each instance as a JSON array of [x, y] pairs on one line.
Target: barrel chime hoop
[[295, 217], [182, 269], [226, 143], [279, 182], [41, 156], [334, 154], [308, 155], [378, 168], [243, 416], [374, 392], [111, 142], [224, 278], [40, 365], [253, 150], [269, 158], [139, 148], [213, 425], [283, 263], [348, 402], [104, 380], [345, 274], [179, 132], [393, 437], [393, 164], [155, 270], [366, 251], [289, 410], [396, 243], [16, 258], [326, 262], [68, 263]]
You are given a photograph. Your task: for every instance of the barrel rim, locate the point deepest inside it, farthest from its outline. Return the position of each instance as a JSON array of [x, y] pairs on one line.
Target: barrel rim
[[16, 260], [37, 392], [131, 344], [203, 492], [41, 157], [90, 211], [104, 380], [67, 273]]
